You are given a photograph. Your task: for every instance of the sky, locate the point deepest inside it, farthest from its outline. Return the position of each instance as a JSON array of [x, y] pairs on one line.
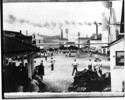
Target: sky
[[50, 18]]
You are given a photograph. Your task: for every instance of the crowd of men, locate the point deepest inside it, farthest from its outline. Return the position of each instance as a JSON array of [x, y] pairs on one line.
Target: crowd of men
[[16, 79], [15, 76], [95, 66]]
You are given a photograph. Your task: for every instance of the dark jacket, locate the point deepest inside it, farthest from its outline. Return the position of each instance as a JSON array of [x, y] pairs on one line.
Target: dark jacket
[[40, 69]]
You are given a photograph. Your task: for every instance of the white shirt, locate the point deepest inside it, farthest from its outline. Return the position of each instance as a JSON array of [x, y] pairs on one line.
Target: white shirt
[[96, 56], [89, 63], [45, 54], [75, 63], [97, 65]]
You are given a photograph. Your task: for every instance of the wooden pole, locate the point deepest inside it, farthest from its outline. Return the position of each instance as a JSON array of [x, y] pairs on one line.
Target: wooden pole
[[78, 39], [32, 63], [29, 66]]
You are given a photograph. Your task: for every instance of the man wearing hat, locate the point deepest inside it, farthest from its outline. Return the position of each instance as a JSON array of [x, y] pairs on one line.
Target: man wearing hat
[[40, 69]]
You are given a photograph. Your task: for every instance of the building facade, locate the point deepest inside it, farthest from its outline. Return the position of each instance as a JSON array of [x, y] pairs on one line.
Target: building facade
[[117, 65], [46, 42]]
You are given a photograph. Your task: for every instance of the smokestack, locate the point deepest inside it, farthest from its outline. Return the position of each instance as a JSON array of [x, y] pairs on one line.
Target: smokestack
[[20, 32], [78, 39], [96, 27], [26, 33], [67, 31], [61, 33]]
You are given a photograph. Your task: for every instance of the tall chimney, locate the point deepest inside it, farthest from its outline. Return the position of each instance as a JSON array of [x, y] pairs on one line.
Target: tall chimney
[[26, 33], [20, 32], [61, 33], [97, 28], [78, 39], [67, 31]]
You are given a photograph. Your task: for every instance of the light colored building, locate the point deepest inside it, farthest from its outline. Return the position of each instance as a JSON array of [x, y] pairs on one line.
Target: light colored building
[[45, 42], [117, 66], [99, 43], [117, 53], [83, 42]]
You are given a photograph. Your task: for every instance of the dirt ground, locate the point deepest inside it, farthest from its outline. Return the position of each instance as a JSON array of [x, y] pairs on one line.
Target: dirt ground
[[61, 77]]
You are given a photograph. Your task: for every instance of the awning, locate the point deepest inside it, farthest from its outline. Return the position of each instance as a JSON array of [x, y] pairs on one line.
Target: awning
[[12, 47]]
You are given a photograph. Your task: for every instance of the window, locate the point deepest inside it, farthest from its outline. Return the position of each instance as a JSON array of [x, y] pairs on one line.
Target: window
[[119, 58]]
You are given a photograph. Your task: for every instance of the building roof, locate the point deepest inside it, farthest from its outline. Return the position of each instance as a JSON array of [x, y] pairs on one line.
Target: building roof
[[70, 43], [16, 34], [13, 47], [44, 36], [12, 33], [63, 39], [116, 41], [51, 38], [96, 37], [84, 38]]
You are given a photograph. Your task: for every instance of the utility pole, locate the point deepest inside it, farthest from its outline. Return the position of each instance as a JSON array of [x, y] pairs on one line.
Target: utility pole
[[26, 33], [67, 31], [109, 32], [78, 39]]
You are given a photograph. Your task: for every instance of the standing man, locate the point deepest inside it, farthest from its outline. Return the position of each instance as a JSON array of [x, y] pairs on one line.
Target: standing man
[[46, 56], [52, 64], [66, 54], [74, 64], [51, 53], [96, 57], [98, 68], [90, 65], [40, 69], [90, 53]]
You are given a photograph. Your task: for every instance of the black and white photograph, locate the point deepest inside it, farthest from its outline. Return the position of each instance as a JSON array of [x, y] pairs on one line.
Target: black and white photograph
[[62, 49]]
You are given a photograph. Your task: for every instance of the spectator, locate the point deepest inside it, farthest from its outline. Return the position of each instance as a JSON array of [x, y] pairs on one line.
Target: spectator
[[98, 67], [46, 56], [90, 53], [40, 69], [41, 84], [69, 53], [74, 64], [51, 53], [8, 77], [96, 57], [31, 86], [94, 65], [52, 64], [66, 54], [22, 75], [90, 65]]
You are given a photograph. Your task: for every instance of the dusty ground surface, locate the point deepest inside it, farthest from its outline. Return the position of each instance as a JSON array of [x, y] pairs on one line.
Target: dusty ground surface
[[60, 79]]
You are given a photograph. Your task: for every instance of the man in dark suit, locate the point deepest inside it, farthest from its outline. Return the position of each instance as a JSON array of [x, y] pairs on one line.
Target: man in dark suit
[[40, 69]]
